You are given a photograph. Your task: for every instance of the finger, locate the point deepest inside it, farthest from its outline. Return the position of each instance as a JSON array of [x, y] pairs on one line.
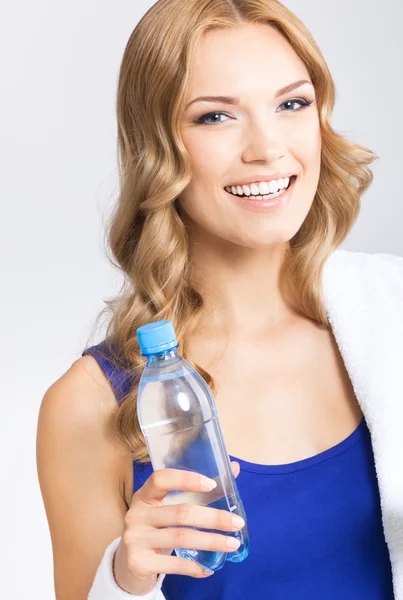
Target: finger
[[189, 515], [179, 566], [182, 537], [163, 481], [206, 497]]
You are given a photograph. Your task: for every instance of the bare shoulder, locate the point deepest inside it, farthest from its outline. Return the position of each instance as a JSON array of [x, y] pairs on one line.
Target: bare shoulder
[[83, 399], [81, 470], [86, 372]]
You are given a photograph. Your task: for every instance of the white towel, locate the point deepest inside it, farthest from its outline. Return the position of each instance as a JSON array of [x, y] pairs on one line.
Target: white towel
[[363, 296]]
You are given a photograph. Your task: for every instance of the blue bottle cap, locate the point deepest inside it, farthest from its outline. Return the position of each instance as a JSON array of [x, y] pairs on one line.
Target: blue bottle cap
[[156, 337]]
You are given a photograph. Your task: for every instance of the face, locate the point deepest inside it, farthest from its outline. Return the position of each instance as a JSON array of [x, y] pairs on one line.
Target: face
[[263, 134]]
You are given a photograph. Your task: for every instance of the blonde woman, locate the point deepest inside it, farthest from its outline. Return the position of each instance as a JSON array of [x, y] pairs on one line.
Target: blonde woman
[[235, 194]]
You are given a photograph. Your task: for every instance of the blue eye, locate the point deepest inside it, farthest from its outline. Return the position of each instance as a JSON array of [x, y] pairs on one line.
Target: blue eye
[[203, 120], [303, 103]]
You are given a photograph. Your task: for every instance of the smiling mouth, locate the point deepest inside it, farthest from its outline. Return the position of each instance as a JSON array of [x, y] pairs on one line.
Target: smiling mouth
[[261, 196]]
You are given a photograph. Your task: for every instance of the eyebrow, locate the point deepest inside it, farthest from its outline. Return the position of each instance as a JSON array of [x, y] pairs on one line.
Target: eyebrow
[[231, 100]]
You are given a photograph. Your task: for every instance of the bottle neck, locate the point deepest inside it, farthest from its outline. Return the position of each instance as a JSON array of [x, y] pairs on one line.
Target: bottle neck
[[161, 357]]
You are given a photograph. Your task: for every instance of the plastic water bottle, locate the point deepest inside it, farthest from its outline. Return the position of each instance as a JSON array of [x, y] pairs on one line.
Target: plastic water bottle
[[178, 418]]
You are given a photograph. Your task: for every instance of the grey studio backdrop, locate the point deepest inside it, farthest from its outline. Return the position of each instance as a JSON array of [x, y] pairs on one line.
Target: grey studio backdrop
[[59, 66]]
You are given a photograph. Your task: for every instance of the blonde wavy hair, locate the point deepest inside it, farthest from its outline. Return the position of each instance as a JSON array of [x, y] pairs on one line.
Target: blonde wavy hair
[[146, 234]]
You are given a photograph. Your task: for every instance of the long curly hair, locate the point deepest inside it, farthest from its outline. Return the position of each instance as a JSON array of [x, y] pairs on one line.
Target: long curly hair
[[146, 235]]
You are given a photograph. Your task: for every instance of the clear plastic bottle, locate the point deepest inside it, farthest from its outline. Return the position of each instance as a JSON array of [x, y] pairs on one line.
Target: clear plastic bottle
[[178, 418]]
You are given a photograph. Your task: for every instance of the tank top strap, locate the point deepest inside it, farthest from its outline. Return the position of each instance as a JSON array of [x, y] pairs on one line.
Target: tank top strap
[[118, 377], [121, 383]]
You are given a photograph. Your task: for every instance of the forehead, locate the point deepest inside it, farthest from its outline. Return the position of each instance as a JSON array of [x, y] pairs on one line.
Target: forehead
[[251, 56]]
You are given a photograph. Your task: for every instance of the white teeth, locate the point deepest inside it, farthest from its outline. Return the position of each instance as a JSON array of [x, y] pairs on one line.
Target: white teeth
[[264, 188], [274, 186], [259, 189]]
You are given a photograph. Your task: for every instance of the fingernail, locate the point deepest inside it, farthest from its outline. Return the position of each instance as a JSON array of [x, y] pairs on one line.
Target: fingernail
[[207, 573], [207, 483], [238, 521], [233, 543]]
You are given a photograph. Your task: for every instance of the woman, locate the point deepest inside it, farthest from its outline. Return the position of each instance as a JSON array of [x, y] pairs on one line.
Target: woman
[[230, 213]]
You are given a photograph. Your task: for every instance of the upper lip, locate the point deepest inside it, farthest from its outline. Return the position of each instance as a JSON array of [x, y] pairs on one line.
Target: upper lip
[[257, 178]]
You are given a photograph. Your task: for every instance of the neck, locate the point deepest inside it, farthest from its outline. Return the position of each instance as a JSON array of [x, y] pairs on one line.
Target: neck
[[240, 287]]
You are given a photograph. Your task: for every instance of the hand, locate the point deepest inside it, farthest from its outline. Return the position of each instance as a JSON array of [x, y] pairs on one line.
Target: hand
[[150, 534]]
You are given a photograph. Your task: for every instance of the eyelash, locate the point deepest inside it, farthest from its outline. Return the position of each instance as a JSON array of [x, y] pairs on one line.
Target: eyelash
[[304, 104]]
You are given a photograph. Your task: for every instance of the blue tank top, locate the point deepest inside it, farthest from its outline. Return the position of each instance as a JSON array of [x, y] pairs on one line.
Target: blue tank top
[[315, 526]]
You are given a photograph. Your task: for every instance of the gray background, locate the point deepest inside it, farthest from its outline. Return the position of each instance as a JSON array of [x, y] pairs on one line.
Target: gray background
[[59, 65]]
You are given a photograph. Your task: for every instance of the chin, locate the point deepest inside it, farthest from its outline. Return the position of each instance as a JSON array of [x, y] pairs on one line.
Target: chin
[[254, 241]]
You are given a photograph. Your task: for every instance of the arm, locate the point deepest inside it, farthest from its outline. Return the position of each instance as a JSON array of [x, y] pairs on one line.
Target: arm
[[81, 476]]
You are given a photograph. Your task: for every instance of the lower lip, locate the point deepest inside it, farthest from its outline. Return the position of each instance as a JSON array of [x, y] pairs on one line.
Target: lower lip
[[265, 205]]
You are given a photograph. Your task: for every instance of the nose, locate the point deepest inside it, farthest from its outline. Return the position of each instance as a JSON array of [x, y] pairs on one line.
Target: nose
[[263, 143]]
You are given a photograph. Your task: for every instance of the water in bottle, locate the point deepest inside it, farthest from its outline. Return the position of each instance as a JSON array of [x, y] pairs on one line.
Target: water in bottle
[[179, 421]]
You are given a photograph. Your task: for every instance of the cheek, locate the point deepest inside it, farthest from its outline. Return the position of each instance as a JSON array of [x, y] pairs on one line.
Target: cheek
[[314, 148], [210, 159], [209, 152], [313, 158], [307, 141]]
